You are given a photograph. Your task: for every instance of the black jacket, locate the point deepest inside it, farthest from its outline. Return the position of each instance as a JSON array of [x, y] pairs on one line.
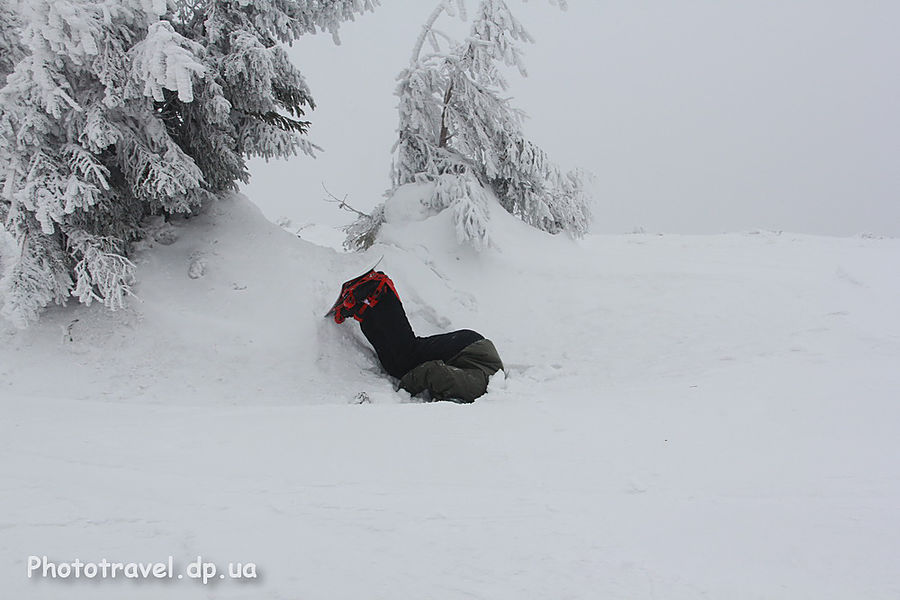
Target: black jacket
[[399, 349]]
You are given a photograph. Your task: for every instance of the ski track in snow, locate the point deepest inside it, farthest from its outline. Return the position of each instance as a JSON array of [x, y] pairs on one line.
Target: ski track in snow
[[681, 417]]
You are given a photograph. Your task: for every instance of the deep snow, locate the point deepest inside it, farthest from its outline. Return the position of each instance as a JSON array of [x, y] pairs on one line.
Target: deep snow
[[682, 417]]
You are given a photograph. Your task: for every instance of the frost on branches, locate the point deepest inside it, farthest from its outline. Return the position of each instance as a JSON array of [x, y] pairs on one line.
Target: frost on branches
[[458, 131], [113, 110]]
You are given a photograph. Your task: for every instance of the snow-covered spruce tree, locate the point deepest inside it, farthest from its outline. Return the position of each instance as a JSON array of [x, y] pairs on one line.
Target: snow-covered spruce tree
[[112, 110], [459, 133], [11, 49]]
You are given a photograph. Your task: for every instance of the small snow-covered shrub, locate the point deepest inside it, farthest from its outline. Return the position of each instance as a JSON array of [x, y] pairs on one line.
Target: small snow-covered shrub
[[458, 131]]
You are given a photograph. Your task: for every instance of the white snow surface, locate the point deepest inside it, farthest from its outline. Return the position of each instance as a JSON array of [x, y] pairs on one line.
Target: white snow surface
[[681, 417]]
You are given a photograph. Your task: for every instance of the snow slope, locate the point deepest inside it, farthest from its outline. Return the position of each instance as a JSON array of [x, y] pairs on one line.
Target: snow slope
[[682, 417]]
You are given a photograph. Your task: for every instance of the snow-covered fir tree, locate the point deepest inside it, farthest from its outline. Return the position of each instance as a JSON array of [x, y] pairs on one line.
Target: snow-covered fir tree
[[112, 110], [459, 133], [11, 49]]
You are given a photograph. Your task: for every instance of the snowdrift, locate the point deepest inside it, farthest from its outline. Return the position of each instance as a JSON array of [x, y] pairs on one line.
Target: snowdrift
[[231, 311]]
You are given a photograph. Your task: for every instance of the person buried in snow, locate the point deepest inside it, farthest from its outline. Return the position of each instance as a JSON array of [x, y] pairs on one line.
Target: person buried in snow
[[451, 366]]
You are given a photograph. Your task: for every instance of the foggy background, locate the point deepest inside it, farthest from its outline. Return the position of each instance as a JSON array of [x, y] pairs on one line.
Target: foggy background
[[694, 116]]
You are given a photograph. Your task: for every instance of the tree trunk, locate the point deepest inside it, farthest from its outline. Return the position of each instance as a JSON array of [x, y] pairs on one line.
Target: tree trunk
[[445, 132]]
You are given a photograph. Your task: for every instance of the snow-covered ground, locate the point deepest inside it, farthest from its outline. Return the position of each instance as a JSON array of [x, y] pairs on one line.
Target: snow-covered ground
[[681, 417]]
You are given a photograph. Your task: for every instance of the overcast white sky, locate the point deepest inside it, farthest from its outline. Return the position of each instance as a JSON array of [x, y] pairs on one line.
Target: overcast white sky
[[696, 116]]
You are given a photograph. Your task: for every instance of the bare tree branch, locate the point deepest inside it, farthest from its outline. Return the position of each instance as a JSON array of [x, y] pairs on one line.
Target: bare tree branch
[[342, 203]]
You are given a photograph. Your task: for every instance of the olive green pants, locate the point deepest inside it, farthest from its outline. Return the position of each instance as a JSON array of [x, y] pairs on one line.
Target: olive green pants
[[460, 379]]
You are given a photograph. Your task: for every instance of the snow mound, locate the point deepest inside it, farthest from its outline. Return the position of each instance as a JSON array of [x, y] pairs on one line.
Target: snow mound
[[229, 309], [407, 204]]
